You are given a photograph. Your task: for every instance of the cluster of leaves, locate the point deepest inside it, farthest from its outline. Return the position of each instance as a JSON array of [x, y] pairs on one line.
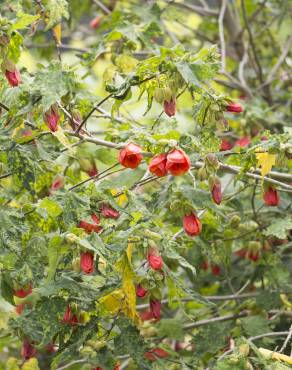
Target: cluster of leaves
[[141, 55]]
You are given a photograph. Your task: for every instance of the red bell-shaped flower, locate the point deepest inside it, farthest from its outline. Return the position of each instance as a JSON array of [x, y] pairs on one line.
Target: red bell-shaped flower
[[140, 291], [108, 212], [234, 107], [155, 261], [23, 292], [192, 224], [90, 227], [177, 162], [13, 77], [271, 197], [157, 165], [27, 350], [95, 22], [130, 156]]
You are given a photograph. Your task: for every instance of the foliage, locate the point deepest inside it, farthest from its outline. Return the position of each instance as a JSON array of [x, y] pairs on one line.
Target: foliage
[[90, 245]]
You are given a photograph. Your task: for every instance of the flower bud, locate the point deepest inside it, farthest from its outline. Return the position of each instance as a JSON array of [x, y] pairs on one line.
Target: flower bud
[[243, 142], [155, 308], [95, 22], [202, 174], [11, 73], [57, 183], [216, 191], [215, 270], [76, 265], [212, 161], [170, 107], [69, 317], [90, 227], [87, 262], [27, 350], [158, 94], [52, 118], [140, 291], [225, 145], [88, 165]]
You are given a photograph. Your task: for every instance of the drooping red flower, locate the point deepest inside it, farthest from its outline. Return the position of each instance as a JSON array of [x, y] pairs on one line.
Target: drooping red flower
[[177, 162], [131, 156], [27, 350], [146, 315], [108, 212], [215, 270], [95, 22], [87, 262], [51, 348], [271, 197], [52, 118], [90, 227], [216, 192], [192, 224], [226, 145], [19, 308], [13, 77], [92, 172], [155, 308], [243, 142], [234, 107], [23, 292], [155, 261], [253, 255], [155, 353], [57, 183], [117, 366], [170, 107], [140, 291], [157, 165], [241, 252], [204, 265], [69, 317]]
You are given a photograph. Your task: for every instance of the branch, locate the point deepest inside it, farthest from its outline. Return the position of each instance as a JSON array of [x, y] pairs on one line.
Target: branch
[[287, 339], [215, 319], [5, 175], [71, 363], [102, 7], [285, 52], [221, 33], [214, 298], [4, 107], [92, 111], [196, 9], [272, 334]]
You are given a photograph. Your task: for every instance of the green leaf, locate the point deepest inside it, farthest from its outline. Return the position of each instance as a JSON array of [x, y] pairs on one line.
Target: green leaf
[[171, 328], [24, 20], [56, 10], [279, 228], [52, 208]]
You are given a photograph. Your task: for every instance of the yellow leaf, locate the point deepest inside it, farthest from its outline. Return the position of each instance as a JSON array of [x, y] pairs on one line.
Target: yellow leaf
[[266, 161], [57, 31], [122, 199], [275, 355], [31, 364], [60, 135], [113, 302]]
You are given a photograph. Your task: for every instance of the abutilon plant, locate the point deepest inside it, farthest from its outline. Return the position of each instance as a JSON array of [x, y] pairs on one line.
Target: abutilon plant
[[122, 125]]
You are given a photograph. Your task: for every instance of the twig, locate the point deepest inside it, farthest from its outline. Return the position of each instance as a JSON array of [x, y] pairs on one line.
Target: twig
[[281, 60], [5, 175], [102, 7], [194, 8], [71, 363], [215, 319], [211, 298], [286, 340], [272, 334], [221, 33], [91, 112], [4, 107]]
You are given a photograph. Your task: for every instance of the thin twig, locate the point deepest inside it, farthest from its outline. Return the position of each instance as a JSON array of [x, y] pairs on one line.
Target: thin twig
[[272, 334], [215, 319], [102, 7], [286, 340], [221, 33]]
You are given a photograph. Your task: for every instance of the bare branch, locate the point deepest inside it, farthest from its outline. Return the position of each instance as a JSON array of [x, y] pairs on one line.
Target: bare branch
[[102, 7], [221, 33]]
